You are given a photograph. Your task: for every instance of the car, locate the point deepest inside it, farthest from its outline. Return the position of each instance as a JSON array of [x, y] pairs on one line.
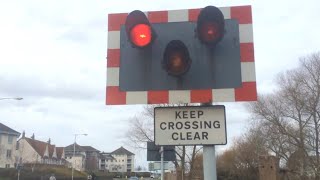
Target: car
[[133, 178]]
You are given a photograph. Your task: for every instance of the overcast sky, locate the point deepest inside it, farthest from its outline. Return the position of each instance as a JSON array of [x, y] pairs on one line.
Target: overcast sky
[[52, 53]]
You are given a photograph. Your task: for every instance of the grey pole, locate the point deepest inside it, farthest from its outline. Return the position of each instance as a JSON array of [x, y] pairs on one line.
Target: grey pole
[[74, 152], [209, 163], [162, 168]]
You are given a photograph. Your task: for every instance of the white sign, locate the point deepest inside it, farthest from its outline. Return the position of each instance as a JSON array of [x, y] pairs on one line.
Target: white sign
[[190, 125], [157, 165]]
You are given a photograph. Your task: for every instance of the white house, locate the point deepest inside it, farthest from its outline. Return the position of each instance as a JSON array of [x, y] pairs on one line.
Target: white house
[[84, 157], [123, 161], [105, 161], [8, 142], [32, 151]]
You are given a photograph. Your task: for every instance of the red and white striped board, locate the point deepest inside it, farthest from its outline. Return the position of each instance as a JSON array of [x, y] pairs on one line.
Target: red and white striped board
[[248, 91]]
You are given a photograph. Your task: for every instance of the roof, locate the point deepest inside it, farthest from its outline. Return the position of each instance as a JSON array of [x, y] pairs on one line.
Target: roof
[[80, 148], [89, 148], [59, 151], [104, 155], [38, 146], [51, 150], [77, 148], [6, 130], [122, 151]]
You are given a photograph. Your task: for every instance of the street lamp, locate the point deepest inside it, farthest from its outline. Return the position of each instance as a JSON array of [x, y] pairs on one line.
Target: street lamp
[[74, 151], [16, 98]]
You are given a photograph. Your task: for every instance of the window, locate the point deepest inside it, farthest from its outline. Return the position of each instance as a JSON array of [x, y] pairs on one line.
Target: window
[[122, 160], [8, 153], [0, 138], [7, 165], [17, 146], [10, 139]]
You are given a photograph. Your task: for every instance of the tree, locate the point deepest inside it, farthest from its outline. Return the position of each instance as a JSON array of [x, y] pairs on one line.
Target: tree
[[241, 161], [91, 163], [196, 172], [139, 168], [292, 114]]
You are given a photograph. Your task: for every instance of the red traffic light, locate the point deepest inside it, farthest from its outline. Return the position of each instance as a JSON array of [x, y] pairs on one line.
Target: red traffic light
[[176, 59], [138, 29], [210, 25], [141, 35]]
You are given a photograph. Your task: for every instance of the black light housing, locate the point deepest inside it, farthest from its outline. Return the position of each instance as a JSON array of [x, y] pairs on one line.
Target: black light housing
[[176, 59], [210, 25], [138, 29]]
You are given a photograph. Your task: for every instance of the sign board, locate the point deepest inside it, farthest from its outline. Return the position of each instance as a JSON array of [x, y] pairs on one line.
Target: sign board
[[154, 166], [153, 152], [190, 125], [244, 91]]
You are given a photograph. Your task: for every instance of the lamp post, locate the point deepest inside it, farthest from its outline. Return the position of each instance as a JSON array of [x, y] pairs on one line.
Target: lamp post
[[74, 151], [16, 98]]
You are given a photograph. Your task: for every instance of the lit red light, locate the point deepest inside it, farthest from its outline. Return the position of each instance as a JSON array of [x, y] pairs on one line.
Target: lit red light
[[141, 35]]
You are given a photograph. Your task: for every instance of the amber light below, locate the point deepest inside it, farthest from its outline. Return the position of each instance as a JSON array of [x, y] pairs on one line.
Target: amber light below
[[177, 64]]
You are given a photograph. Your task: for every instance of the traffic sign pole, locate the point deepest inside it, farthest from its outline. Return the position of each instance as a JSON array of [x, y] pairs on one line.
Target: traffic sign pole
[[162, 164], [209, 163]]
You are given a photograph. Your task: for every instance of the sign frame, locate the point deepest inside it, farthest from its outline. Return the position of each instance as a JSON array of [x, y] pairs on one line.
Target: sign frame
[[154, 154], [212, 107], [247, 91]]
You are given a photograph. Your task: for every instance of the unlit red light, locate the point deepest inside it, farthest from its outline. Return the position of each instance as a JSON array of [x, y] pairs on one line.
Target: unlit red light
[[210, 32], [141, 35]]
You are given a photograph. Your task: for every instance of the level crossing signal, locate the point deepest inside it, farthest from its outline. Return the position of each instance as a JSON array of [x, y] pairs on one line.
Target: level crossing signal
[[203, 51], [176, 60]]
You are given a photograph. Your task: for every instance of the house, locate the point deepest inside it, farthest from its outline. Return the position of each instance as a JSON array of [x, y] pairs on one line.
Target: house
[[32, 151], [8, 142], [123, 161], [76, 155], [92, 158], [105, 161], [82, 157]]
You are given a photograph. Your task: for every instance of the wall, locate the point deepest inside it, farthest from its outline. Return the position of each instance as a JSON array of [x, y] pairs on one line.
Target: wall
[[77, 161], [4, 146], [27, 153]]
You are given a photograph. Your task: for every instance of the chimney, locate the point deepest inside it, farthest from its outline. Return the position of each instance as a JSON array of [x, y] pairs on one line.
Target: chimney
[[32, 137], [49, 141], [23, 134]]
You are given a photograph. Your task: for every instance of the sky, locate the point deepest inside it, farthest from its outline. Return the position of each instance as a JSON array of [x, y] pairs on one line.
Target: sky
[[53, 54]]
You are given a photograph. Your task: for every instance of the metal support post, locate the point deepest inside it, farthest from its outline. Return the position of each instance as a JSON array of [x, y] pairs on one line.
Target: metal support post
[[162, 163], [209, 163], [73, 154]]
